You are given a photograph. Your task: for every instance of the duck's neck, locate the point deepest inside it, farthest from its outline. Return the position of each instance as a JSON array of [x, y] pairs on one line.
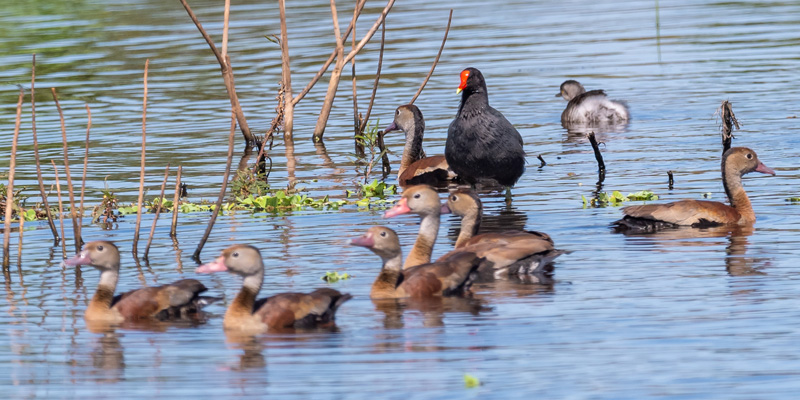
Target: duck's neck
[[732, 181], [423, 247], [100, 304], [390, 274], [470, 223], [242, 306], [413, 148], [476, 99]]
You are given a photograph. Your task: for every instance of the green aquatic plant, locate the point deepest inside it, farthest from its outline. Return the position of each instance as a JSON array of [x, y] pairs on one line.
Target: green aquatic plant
[[471, 381], [334, 276], [616, 198], [795, 200]]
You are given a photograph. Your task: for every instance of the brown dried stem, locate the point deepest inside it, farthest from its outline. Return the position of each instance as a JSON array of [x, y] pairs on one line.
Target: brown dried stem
[[60, 211], [158, 212], [729, 121], [359, 145], [365, 120], [85, 164], [329, 61], [36, 154], [75, 228], [175, 200], [215, 212], [227, 73], [141, 171], [286, 112], [436, 61], [319, 129], [10, 187]]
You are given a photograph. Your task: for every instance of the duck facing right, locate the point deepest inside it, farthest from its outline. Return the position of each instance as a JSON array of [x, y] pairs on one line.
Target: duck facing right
[[736, 162]]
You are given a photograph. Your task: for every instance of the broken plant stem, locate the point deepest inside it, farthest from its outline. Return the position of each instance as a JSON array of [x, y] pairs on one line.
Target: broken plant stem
[[85, 164], [141, 171], [365, 120], [158, 212], [36, 155], [175, 200], [10, 188], [75, 226], [435, 61], [60, 212], [215, 212]]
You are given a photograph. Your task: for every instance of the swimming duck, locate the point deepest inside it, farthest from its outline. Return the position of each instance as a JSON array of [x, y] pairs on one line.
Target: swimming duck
[[590, 107]]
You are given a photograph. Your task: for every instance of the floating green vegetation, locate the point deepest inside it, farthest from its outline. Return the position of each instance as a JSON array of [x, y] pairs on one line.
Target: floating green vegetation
[[616, 198], [373, 194], [795, 200], [335, 276], [471, 381], [18, 208]]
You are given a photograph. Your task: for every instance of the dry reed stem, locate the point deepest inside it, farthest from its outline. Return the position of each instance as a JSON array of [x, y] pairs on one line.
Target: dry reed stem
[[436, 61], [19, 243], [85, 164], [173, 230], [227, 75], [215, 212], [36, 154], [365, 120], [729, 121], [359, 145], [225, 18], [329, 61], [158, 212], [10, 187], [76, 229], [141, 171], [287, 109], [60, 211], [322, 121]]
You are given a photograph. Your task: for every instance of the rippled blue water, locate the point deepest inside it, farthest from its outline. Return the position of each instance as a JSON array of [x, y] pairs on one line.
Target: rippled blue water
[[680, 315]]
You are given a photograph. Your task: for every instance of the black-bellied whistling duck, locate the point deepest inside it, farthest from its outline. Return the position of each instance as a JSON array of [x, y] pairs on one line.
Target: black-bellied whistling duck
[[422, 200], [181, 298], [283, 311], [590, 107], [736, 162], [512, 253], [415, 168], [482, 146], [427, 280]]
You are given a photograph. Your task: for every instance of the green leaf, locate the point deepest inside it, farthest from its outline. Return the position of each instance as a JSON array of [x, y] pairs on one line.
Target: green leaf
[[471, 381]]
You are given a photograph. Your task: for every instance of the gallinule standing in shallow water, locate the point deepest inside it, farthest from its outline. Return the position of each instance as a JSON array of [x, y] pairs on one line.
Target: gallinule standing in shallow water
[[482, 145]]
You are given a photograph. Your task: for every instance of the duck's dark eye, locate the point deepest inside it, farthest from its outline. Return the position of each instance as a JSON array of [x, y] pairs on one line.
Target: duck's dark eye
[[454, 198], [235, 254], [99, 248], [416, 196], [383, 234], [749, 156], [397, 112]]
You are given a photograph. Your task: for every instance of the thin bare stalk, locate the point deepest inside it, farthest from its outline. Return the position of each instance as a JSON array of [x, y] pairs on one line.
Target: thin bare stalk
[[436, 61], [286, 79], [365, 120], [36, 154], [322, 121], [175, 200], [141, 171], [85, 164], [227, 76], [60, 211], [10, 187], [225, 18], [19, 243], [215, 212], [359, 146], [72, 210], [329, 61], [158, 212]]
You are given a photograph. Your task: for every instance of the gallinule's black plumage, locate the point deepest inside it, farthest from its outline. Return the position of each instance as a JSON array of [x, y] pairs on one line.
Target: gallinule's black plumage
[[482, 145]]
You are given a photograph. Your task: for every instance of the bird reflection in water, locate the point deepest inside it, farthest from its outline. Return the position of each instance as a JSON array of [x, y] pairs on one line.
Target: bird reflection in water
[[737, 263], [577, 133], [432, 309], [108, 356]]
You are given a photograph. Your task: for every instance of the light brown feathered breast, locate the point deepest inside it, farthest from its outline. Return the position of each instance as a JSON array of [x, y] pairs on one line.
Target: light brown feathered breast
[[435, 165]]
